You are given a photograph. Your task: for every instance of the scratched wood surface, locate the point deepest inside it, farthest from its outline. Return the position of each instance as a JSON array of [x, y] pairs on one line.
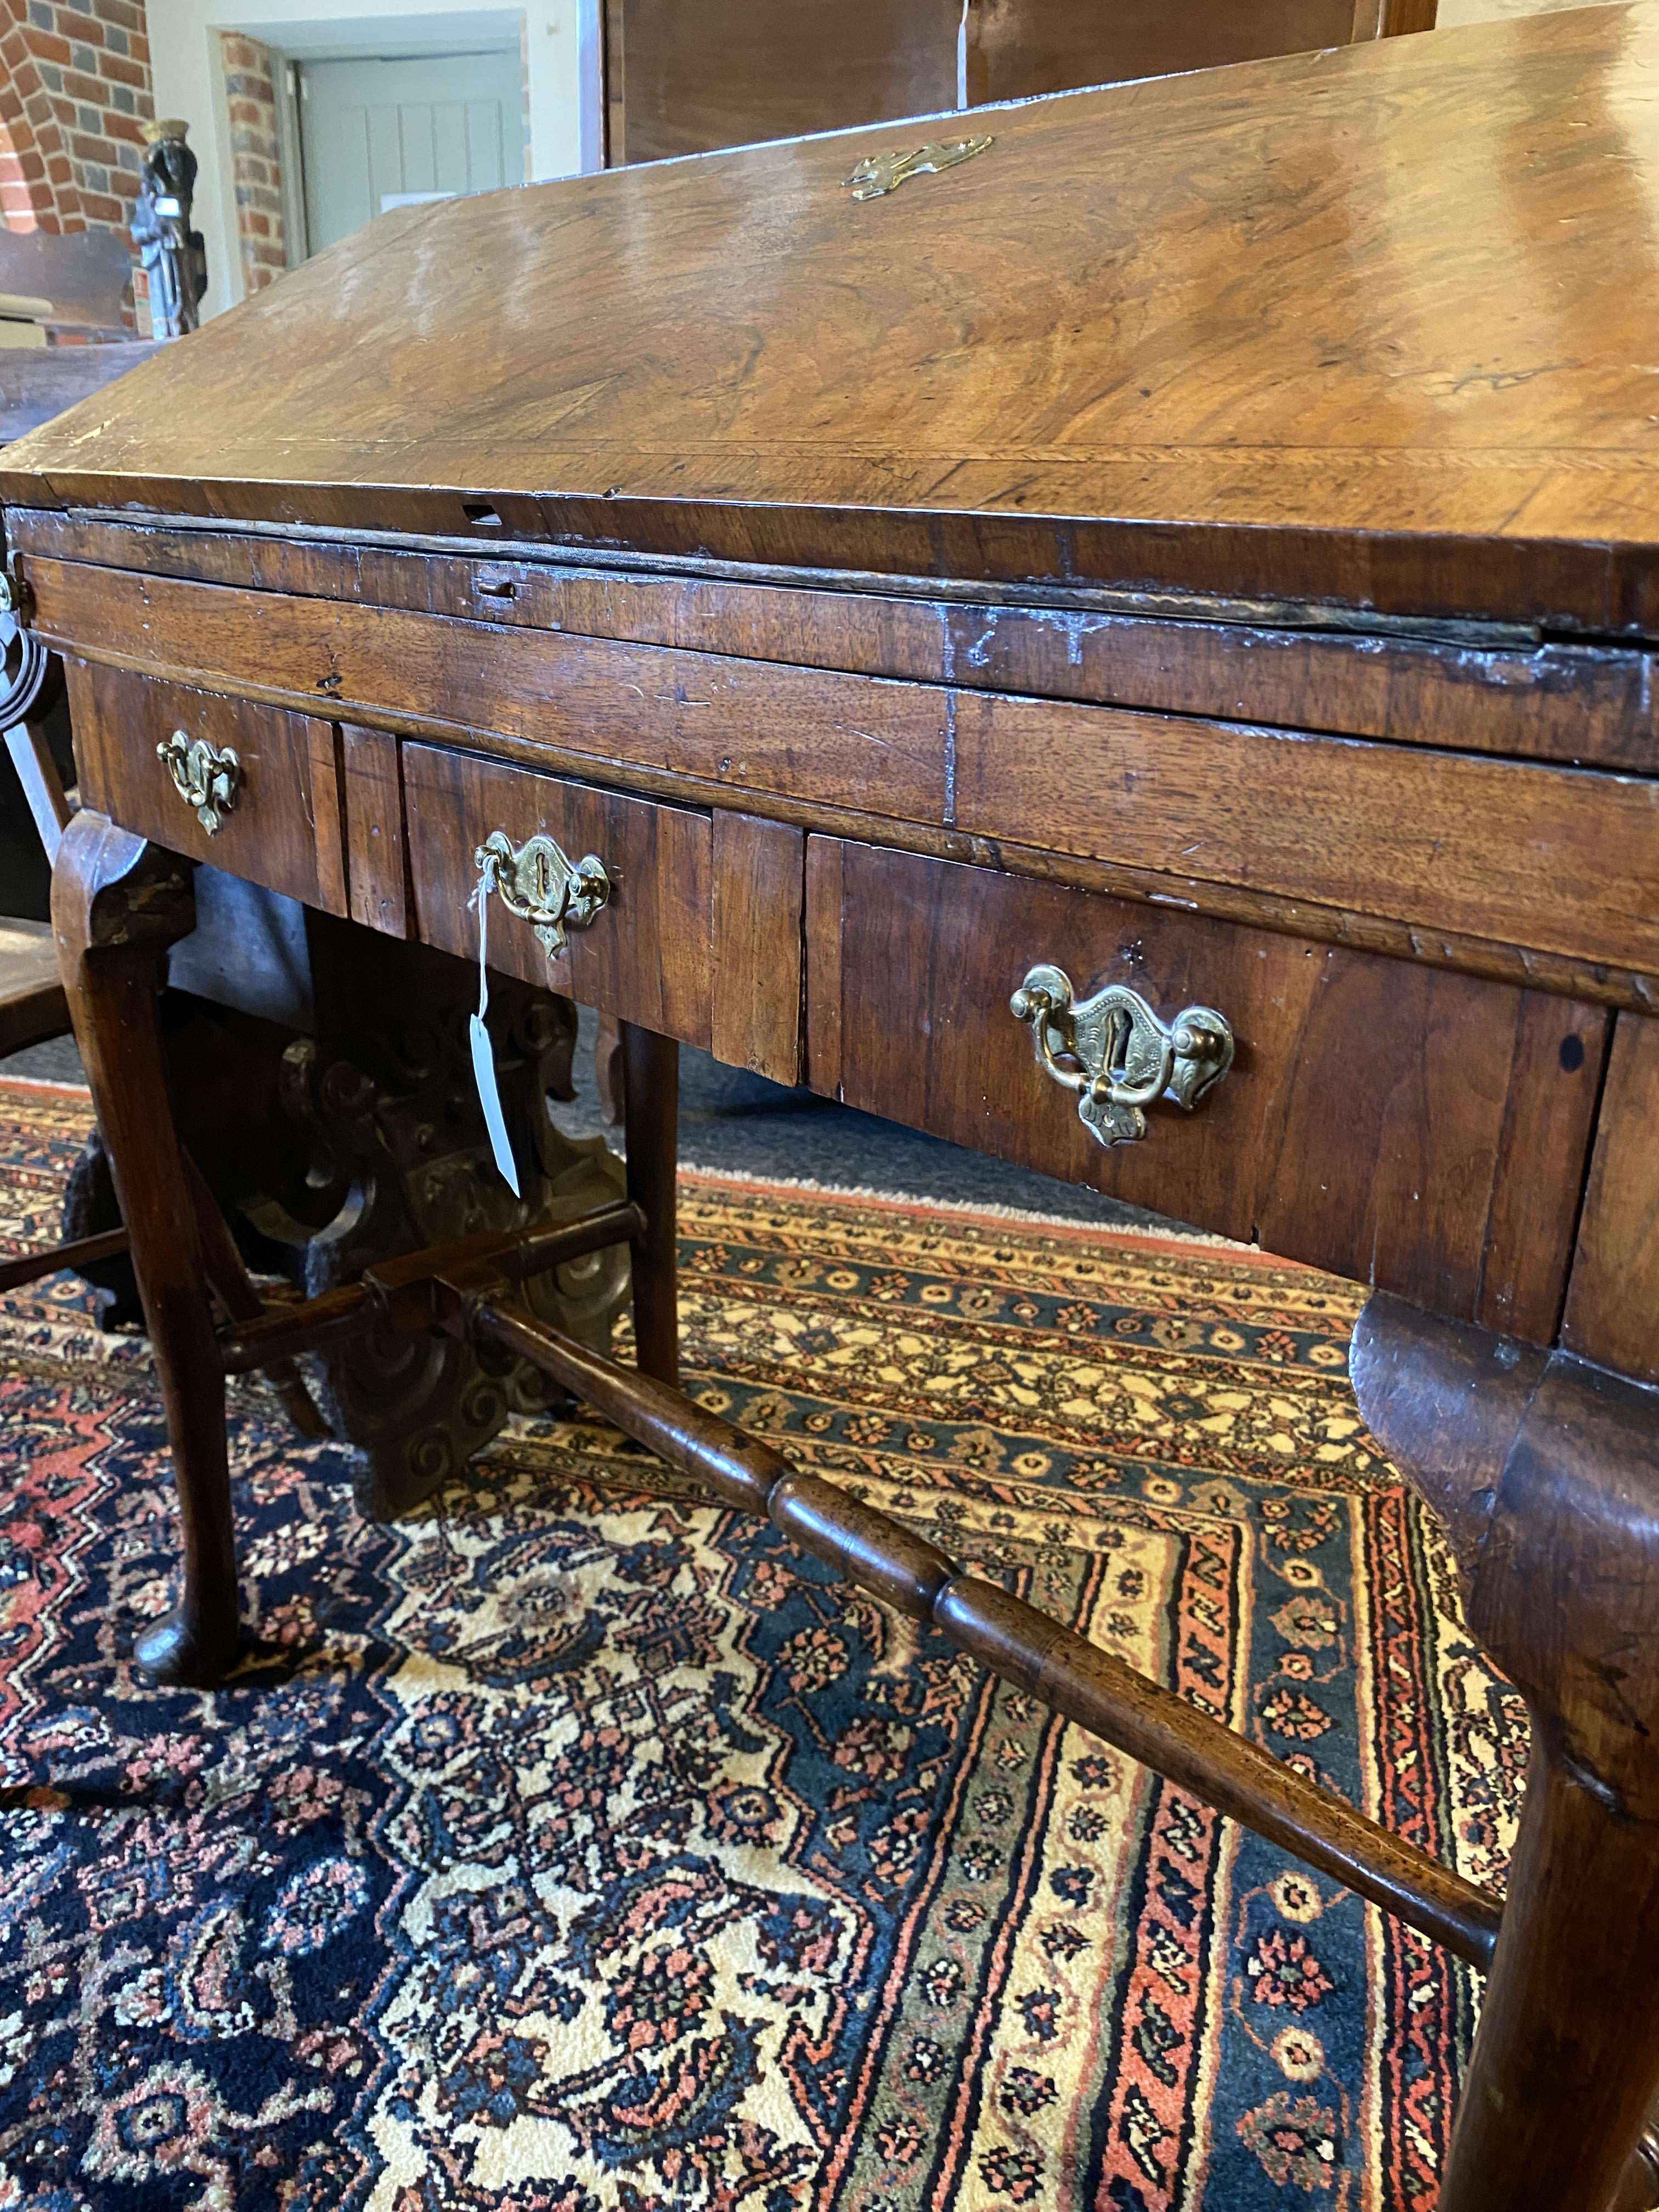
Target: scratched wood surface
[[1581, 703], [1370, 326], [1543, 858]]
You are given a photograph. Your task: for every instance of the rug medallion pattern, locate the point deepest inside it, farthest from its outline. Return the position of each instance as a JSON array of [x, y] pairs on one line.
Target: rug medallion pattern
[[580, 1845]]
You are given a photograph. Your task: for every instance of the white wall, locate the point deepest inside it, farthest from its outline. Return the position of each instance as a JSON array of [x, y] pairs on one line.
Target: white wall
[[189, 81]]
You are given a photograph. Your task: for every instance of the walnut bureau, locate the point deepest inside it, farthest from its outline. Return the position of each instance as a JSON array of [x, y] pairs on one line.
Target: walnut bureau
[[1129, 645]]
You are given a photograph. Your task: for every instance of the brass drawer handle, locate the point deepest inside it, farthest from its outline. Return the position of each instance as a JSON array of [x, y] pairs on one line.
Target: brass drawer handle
[[204, 776], [539, 884], [1125, 1056]]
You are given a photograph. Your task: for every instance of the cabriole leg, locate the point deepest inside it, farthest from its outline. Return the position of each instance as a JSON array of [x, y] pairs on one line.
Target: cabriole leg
[[117, 903], [1546, 1471]]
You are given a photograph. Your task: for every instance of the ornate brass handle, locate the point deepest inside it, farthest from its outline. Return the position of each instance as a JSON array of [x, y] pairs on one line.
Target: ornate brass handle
[[204, 776], [539, 884], [1125, 1056], [884, 173]]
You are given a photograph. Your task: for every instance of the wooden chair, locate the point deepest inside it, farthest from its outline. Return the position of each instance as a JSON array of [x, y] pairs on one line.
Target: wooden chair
[[33, 1007]]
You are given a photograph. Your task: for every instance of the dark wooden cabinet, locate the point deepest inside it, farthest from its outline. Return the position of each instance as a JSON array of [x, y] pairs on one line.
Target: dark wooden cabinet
[[1205, 541], [687, 80]]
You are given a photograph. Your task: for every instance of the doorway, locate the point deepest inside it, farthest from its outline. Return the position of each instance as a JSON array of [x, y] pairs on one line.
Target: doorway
[[391, 129]]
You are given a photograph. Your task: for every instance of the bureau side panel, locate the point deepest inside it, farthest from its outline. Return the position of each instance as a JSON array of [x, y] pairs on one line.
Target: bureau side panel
[[1365, 1124], [1612, 1300]]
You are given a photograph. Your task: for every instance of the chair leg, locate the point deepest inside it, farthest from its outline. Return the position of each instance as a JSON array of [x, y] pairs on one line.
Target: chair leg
[[228, 1280], [117, 903], [651, 1080], [1546, 1471]]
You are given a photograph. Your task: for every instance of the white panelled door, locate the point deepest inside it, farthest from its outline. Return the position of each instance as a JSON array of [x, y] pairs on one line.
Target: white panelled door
[[378, 134]]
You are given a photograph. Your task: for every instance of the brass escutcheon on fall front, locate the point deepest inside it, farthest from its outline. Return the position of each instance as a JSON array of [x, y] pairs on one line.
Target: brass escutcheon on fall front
[[1125, 1057], [884, 173], [540, 884], [205, 775]]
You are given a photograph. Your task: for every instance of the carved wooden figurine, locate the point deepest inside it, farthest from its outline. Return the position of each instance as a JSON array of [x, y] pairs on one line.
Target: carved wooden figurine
[[173, 256]]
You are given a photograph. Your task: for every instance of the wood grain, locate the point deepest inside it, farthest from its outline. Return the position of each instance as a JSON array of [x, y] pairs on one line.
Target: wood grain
[[756, 1019], [733, 72], [377, 860], [269, 836], [1403, 937], [1594, 704], [1613, 1299], [1554, 1088], [1556, 861], [1017, 48], [1120, 347], [329, 818], [1362, 1128], [741, 724], [1392, 19], [1572, 703], [1552, 858], [730, 72], [825, 896], [32, 1002], [647, 957], [1545, 1472]]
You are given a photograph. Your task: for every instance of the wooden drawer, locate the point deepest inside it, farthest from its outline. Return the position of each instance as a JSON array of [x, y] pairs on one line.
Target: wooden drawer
[[1402, 1125], [283, 826], [1285, 820], [700, 938]]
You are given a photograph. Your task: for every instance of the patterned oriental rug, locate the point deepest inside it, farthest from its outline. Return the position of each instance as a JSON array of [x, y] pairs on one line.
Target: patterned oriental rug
[[582, 1845]]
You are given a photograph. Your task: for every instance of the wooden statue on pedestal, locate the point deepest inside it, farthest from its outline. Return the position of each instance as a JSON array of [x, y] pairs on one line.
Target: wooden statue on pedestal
[[174, 256]]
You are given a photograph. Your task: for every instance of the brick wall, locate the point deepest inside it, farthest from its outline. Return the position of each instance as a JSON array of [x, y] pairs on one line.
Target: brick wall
[[256, 159], [74, 92]]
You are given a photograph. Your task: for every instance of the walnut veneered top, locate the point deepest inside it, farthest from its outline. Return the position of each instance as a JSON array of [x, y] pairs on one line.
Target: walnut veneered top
[[1377, 327]]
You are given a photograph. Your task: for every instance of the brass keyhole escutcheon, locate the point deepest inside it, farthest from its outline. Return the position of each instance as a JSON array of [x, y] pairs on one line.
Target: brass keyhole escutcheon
[[539, 884], [205, 776], [1125, 1057]]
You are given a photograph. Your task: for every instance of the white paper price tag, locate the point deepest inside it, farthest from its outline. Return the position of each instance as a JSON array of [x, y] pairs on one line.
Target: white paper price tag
[[484, 1058]]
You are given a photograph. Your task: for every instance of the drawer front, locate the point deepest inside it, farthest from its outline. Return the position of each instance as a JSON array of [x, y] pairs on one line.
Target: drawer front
[[699, 937], [1401, 1125], [1346, 838], [280, 825], [1511, 852]]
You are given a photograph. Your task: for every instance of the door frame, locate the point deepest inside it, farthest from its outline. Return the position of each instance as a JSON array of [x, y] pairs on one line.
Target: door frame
[[492, 36]]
